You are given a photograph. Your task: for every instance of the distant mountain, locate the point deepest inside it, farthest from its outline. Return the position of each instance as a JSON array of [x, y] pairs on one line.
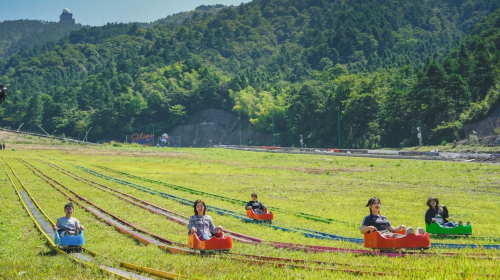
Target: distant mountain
[[199, 12], [282, 65], [28, 34]]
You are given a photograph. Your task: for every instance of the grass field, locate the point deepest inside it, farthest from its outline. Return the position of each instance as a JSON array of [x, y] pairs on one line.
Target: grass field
[[331, 187]]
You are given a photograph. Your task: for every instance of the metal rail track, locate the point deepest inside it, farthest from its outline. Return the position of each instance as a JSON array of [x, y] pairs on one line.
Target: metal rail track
[[249, 239], [40, 219], [173, 216], [279, 262], [222, 211], [224, 198], [305, 232]]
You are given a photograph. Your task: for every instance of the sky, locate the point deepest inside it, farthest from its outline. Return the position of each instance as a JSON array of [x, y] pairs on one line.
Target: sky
[[100, 12]]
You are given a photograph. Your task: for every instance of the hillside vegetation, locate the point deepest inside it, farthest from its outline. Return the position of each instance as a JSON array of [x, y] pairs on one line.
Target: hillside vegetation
[[181, 17], [17, 35], [390, 66]]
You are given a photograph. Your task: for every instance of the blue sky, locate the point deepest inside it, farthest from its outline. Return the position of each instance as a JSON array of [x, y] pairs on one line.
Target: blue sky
[[99, 12]]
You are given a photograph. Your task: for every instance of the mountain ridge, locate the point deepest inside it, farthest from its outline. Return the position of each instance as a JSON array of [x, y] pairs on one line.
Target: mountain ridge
[[287, 62]]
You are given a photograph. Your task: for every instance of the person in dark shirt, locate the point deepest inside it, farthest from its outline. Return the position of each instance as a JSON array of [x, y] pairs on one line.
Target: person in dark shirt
[[438, 214], [3, 93], [377, 222], [257, 207]]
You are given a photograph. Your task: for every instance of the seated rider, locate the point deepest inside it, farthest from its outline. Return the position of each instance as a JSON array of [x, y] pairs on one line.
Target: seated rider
[[257, 207], [438, 214], [377, 222], [68, 225], [202, 225], [3, 93]]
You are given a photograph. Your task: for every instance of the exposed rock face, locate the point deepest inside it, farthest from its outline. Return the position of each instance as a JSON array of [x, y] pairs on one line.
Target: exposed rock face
[[486, 131], [214, 127]]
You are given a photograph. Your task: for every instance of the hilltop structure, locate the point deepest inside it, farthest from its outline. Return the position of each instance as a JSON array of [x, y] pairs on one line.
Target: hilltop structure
[[66, 17]]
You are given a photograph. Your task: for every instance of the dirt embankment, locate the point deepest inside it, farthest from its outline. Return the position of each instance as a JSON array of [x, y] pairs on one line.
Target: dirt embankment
[[493, 140]]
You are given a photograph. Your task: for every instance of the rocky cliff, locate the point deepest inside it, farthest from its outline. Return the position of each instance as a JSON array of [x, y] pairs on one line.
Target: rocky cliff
[[218, 127]]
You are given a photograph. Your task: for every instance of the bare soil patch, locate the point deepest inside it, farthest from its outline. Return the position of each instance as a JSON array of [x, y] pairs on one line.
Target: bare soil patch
[[317, 171]]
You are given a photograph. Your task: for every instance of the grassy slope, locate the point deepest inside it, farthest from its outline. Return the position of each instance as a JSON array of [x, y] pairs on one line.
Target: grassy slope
[[23, 251], [329, 186]]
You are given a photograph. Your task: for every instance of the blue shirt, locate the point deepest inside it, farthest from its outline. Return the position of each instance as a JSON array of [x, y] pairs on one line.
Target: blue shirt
[[379, 222]]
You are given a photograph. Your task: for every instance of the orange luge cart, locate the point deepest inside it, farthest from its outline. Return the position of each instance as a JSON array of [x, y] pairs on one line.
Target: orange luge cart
[[218, 242], [264, 216]]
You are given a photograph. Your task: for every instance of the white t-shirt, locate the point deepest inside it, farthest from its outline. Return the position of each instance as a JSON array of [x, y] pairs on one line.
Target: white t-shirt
[[439, 219], [70, 223]]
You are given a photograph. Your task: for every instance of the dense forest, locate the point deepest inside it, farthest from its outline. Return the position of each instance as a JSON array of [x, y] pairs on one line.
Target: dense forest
[[16, 35], [388, 66]]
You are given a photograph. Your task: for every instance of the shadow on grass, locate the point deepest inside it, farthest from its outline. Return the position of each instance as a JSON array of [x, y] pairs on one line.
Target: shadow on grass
[[50, 253]]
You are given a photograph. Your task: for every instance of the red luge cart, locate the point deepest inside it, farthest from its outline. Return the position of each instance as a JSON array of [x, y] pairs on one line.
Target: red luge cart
[[375, 240]]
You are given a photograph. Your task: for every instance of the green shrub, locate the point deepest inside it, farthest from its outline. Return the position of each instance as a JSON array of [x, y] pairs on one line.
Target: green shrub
[[473, 140]]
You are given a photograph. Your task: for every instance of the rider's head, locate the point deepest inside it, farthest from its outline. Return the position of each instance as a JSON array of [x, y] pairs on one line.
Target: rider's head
[[68, 209]]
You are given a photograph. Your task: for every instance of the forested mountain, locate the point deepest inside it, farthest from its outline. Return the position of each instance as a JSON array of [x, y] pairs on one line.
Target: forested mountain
[[389, 66], [200, 11], [28, 34]]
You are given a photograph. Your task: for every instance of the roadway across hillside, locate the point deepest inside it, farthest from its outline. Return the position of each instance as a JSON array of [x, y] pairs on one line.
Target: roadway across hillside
[[388, 154]]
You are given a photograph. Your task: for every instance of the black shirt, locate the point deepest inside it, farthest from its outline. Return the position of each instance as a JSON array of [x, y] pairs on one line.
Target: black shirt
[[379, 222], [256, 205], [431, 213]]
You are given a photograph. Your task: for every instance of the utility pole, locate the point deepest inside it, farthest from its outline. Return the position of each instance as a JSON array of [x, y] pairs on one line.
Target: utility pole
[[239, 120], [153, 135], [419, 135], [86, 134], [272, 117], [43, 130], [338, 122]]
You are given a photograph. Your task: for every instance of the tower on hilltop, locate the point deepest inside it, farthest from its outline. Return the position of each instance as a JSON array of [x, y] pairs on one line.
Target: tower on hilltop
[[66, 17]]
